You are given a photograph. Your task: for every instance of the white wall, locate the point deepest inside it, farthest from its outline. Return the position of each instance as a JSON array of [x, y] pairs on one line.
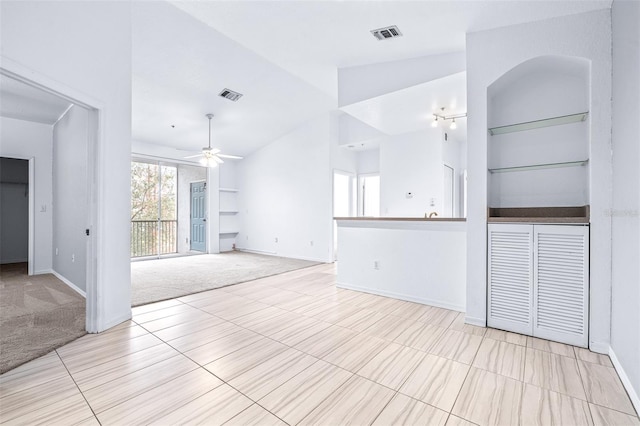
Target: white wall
[[14, 210], [186, 175], [541, 88], [625, 300], [70, 212], [25, 139], [83, 49], [492, 53], [419, 261], [285, 193], [368, 81], [411, 162], [369, 161]]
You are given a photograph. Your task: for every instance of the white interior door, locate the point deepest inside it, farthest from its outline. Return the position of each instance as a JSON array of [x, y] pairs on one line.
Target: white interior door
[[510, 256], [561, 277]]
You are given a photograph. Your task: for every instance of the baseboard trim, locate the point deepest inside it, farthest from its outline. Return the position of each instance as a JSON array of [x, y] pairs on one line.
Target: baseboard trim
[[633, 395], [268, 253], [70, 284], [408, 298], [478, 322]]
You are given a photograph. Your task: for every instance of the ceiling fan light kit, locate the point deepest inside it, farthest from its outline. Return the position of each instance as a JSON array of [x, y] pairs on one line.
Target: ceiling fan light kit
[[211, 156]]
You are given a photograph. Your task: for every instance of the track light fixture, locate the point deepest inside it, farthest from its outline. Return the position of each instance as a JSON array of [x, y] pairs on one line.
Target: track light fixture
[[441, 116]]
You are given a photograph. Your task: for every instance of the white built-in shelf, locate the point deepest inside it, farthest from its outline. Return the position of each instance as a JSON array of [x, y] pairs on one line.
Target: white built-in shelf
[[228, 211], [539, 166], [228, 190], [546, 122], [228, 232]]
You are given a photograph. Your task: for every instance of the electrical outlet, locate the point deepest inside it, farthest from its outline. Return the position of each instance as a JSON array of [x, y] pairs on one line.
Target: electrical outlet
[[276, 239], [73, 258], [311, 243], [187, 240], [43, 208], [376, 264]]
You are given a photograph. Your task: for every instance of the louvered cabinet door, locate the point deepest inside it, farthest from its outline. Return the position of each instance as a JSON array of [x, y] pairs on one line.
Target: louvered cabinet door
[[561, 283], [510, 295]]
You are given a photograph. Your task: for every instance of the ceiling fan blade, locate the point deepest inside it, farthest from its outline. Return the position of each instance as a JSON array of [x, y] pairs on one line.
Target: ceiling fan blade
[[233, 157], [193, 156], [217, 159]]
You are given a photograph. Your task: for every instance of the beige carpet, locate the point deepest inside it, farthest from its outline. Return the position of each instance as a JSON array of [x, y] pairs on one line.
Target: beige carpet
[[161, 279], [38, 314]]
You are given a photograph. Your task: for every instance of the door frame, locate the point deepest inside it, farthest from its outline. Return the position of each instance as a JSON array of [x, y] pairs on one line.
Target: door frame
[[97, 166], [206, 222], [453, 191]]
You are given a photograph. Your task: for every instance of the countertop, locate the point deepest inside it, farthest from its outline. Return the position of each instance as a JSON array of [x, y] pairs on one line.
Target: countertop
[[410, 219]]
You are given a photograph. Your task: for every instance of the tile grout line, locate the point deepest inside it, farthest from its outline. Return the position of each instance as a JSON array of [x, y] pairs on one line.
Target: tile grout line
[[465, 379], [95, 416], [294, 348]]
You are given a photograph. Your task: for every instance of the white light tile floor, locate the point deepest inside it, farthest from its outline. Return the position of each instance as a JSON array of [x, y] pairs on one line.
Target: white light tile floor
[[294, 349]]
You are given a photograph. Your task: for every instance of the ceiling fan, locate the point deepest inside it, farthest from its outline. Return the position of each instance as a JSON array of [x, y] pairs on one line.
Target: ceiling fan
[[211, 157]]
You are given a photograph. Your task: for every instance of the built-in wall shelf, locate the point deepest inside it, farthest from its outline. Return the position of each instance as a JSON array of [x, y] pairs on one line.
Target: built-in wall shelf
[[539, 166], [228, 232], [546, 122], [228, 211], [228, 190]]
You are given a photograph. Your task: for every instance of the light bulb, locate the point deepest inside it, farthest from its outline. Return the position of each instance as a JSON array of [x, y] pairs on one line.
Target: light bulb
[[434, 123], [453, 124], [208, 162]]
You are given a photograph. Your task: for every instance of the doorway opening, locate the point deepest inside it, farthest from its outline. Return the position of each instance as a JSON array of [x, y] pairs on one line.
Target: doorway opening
[[344, 201], [15, 199], [48, 217]]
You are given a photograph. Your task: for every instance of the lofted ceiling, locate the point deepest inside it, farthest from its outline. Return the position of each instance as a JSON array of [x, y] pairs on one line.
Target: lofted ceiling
[[411, 109], [283, 56], [180, 65], [24, 102], [311, 39]]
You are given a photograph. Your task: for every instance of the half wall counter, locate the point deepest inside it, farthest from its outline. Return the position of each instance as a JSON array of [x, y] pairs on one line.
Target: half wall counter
[[415, 259]]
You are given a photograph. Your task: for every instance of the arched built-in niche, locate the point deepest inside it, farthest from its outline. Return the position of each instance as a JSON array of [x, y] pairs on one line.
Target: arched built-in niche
[[538, 144]]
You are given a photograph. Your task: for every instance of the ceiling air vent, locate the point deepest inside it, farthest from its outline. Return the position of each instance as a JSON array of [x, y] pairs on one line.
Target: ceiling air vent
[[230, 94], [386, 32]]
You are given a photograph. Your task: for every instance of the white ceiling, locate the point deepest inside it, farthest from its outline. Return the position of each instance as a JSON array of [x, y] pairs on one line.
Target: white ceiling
[[180, 65], [311, 39], [24, 102], [411, 109]]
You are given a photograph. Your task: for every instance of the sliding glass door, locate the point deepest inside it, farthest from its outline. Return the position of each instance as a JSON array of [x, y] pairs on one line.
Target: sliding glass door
[[154, 212]]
